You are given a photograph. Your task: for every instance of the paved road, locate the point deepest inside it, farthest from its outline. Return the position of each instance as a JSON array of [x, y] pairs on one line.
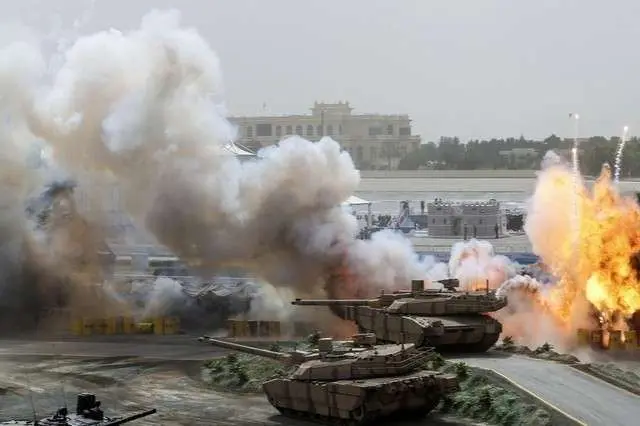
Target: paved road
[[586, 398]]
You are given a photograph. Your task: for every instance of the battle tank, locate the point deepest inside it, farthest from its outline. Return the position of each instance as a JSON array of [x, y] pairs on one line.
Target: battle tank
[[354, 382], [88, 413], [447, 319]]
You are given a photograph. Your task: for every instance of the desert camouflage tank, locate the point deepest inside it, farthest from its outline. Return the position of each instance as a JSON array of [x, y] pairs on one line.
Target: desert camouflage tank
[[447, 320], [354, 382], [88, 413]]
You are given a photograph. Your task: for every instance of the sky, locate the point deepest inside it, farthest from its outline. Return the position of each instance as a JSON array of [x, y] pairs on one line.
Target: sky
[[466, 68]]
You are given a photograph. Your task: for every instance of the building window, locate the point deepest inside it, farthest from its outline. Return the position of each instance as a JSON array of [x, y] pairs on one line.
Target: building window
[[340, 129], [299, 130], [264, 129], [480, 222], [404, 131], [249, 131], [278, 131], [330, 130], [309, 130], [433, 221], [319, 132], [373, 152], [445, 221], [359, 153], [375, 131], [289, 130], [390, 130]]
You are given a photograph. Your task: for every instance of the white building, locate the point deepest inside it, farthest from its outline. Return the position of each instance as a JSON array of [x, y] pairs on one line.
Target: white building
[[375, 141]]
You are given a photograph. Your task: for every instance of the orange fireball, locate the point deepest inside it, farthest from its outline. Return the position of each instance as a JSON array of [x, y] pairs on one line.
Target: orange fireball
[[588, 238]]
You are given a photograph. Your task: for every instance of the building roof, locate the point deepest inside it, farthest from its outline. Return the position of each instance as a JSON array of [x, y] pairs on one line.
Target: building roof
[[356, 201], [235, 150]]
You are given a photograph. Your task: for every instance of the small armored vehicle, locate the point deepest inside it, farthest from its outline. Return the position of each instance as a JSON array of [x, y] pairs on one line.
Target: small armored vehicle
[[447, 319], [88, 413], [354, 382]]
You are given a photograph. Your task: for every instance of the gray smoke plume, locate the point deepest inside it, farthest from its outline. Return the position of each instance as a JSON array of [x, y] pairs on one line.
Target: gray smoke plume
[[144, 108]]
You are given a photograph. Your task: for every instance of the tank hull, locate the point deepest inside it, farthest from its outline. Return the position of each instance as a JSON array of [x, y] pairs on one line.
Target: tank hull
[[349, 402], [468, 333]]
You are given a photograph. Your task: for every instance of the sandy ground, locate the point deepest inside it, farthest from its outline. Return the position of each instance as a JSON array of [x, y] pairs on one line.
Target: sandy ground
[[124, 385]]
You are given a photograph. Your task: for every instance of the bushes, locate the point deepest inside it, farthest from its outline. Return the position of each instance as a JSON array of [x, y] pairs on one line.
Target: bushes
[[242, 373], [508, 342]]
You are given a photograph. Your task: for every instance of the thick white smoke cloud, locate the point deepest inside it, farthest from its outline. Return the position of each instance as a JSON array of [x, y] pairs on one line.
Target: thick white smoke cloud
[[476, 265], [528, 317], [163, 295], [144, 108], [551, 158], [389, 262]]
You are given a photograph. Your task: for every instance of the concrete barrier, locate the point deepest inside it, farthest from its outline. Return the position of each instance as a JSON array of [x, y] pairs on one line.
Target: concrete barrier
[[587, 369]]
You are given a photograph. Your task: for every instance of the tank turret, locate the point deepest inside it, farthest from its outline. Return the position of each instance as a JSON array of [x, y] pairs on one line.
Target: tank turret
[[354, 381], [88, 412], [444, 319]]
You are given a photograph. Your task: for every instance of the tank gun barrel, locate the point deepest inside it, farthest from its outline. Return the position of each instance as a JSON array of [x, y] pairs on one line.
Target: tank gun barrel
[[330, 302], [246, 349], [131, 418]]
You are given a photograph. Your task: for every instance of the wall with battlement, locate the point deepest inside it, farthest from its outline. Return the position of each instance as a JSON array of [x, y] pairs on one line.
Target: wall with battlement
[[470, 219]]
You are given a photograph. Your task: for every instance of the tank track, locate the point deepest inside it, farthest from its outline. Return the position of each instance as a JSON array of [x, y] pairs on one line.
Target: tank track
[[488, 340], [325, 420], [368, 419]]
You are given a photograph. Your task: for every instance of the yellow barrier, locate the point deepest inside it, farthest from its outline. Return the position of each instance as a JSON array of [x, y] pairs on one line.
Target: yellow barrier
[[273, 328], [124, 325], [631, 339], [128, 325], [238, 328], [617, 340], [242, 328], [100, 326], [82, 327], [584, 337], [158, 325], [171, 325], [263, 329], [253, 328], [144, 327]]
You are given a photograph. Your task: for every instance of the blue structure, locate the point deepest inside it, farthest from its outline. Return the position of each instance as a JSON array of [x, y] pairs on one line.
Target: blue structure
[[522, 258]]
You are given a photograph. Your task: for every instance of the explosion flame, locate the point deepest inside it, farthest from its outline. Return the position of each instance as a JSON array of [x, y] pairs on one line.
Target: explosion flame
[[594, 260]]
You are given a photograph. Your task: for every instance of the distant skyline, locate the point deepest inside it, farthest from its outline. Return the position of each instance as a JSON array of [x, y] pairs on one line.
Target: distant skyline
[[472, 69]]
